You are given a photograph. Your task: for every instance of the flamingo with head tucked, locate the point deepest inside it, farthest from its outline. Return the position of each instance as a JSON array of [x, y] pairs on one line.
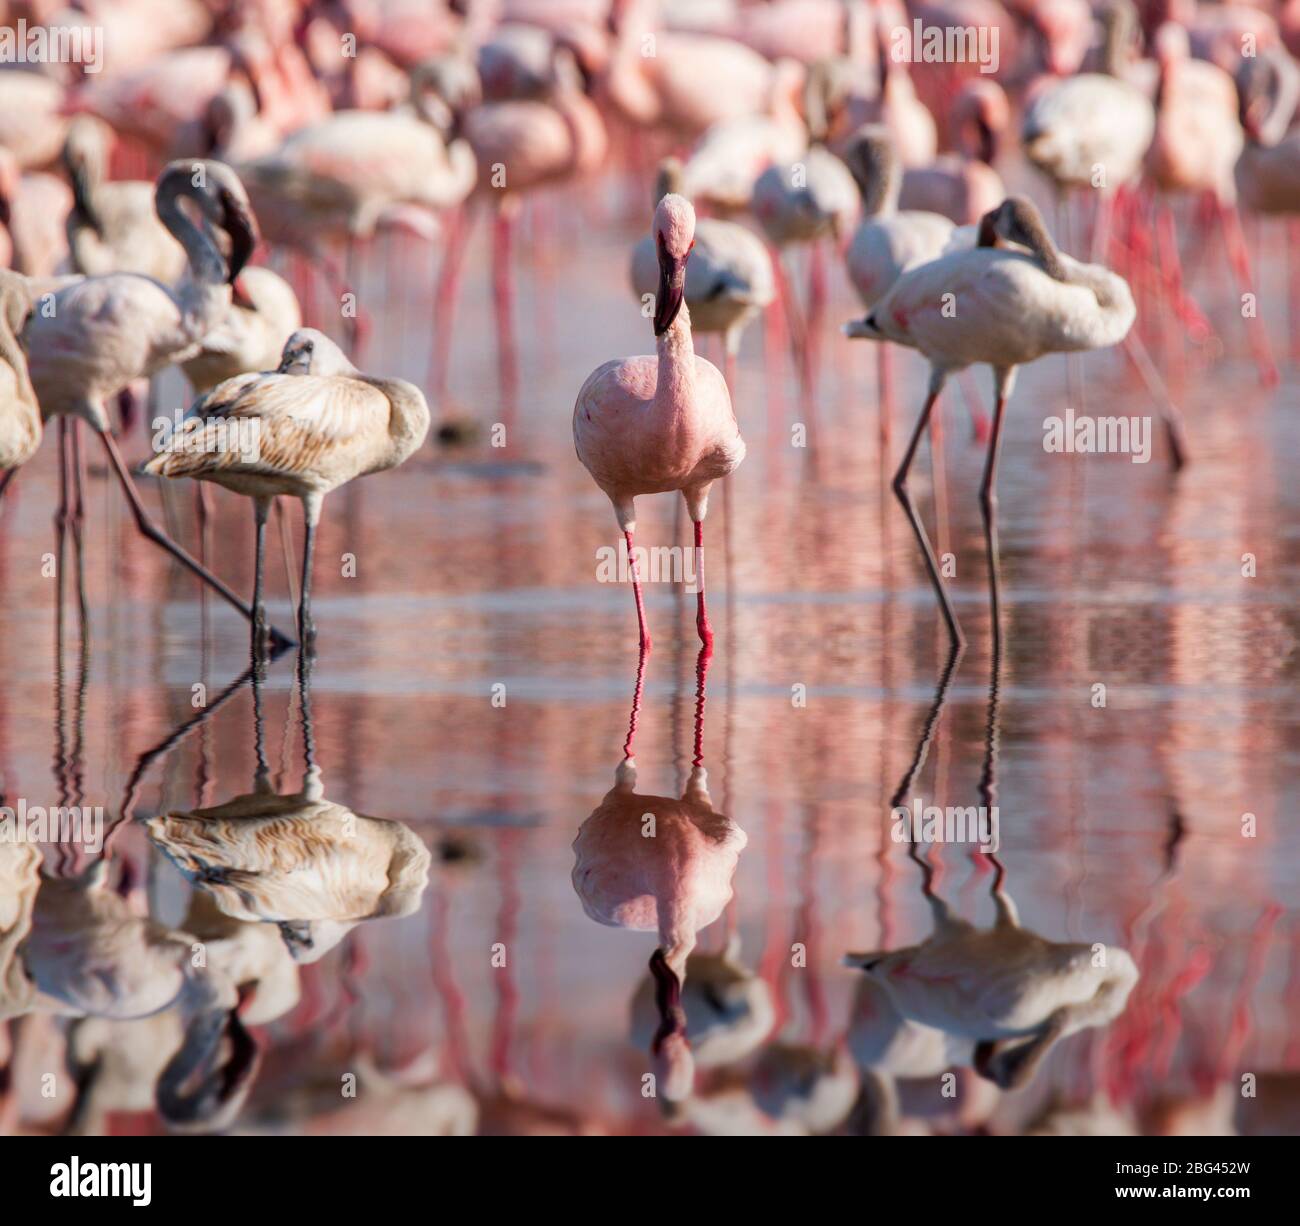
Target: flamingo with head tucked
[[1011, 306], [312, 432], [656, 424]]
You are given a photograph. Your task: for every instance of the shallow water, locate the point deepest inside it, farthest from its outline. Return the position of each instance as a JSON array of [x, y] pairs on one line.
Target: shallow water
[[474, 682]]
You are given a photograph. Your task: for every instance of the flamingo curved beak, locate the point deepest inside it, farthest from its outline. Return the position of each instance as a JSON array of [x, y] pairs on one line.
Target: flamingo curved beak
[[241, 226], [672, 288]]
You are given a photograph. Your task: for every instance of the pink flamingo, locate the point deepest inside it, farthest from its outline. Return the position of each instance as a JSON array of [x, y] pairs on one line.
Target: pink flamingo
[[34, 209], [675, 884], [650, 425], [691, 82], [963, 185], [1198, 139], [520, 146]]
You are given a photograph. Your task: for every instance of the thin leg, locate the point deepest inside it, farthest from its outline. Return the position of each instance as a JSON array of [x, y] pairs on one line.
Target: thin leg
[[286, 548], [979, 419], [77, 469], [1255, 330], [4, 481], [202, 513], [307, 627], [701, 611], [444, 310], [909, 508], [503, 297], [885, 392], [989, 505], [636, 591], [260, 508], [149, 530], [1136, 352]]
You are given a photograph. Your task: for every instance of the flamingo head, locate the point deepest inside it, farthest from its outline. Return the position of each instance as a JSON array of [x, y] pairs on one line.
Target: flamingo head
[[1017, 220], [674, 231], [309, 352], [222, 201], [982, 112]]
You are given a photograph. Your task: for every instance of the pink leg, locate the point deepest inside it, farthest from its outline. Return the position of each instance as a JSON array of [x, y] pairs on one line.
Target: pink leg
[[636, 591], [979, 419], [444, 309], [885, 391], [1230, 219], [702, 612], [503, 298]]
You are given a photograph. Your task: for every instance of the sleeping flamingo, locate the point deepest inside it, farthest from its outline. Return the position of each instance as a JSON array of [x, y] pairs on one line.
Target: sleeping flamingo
[[651, 425], [1006, 989], [314, 432], [1011, 306]]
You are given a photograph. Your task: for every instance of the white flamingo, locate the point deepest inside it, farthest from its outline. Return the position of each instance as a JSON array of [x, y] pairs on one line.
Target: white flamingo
[[1003, 307], [113, 227], [95, 335], [20, 415], [314, 432], [1010, 991]]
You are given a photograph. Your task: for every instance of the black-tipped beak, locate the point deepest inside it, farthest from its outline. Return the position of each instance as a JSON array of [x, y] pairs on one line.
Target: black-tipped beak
[[240, 225], [672, 290]]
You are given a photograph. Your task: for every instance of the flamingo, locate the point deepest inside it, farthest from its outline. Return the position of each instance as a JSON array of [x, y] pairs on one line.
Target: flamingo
[[729, 1010], [113, 227], [650, 425], [102, 333], [1268, 171], [89, 955], [314, 432], [33, 210], [32, 119], [1198, 140], [313, 868], [519, 146], [262, 317], [675, 883], [1012, 992], [728, 281], [726, 162], [1012, 306], [20, 414], [963, 186], [691, 82]]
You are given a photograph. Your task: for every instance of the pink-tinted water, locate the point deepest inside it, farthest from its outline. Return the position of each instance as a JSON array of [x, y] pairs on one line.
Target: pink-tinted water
[[474, 682]]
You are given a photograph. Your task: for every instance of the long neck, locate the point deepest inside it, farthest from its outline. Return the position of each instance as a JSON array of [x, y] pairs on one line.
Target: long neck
[[207, 265], [880, 180], [408, 422], [675, 386]]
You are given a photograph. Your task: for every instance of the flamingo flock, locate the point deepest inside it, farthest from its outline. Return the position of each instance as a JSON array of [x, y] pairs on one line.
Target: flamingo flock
[[180, 216]]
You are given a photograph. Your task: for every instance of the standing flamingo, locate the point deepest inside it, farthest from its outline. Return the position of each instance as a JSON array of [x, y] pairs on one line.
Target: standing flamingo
[[1011, 306], [649, 425], [20, 415], [101, 333], [313, 432], [728, 281], [113, 227]]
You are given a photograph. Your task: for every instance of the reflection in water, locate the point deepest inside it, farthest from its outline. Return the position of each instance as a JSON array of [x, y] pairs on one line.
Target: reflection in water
[[660, 864], [314, 868], [477, 695]]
